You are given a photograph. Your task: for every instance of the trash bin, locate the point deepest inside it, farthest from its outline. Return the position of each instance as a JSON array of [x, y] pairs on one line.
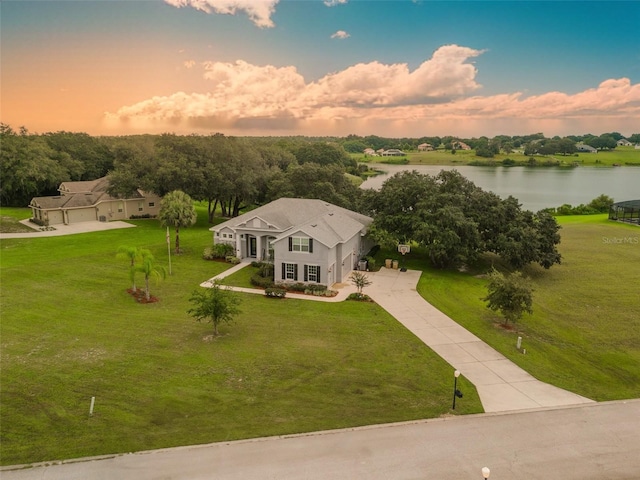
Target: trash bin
[[395, 264], [387, 263], [362, 265]]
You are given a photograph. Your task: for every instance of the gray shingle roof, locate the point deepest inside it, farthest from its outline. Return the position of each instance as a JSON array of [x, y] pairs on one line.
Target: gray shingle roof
[[322, 220]]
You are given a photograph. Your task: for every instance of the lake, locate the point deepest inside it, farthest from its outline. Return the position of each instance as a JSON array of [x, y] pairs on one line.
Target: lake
[[537, 187]]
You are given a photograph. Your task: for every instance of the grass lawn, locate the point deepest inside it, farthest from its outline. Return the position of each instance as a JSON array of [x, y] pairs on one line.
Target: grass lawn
[[584, 335], [70, 331], [625, 156], [10, 220]]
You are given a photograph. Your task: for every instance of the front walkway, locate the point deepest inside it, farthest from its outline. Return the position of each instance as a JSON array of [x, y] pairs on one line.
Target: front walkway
[[501, 384]]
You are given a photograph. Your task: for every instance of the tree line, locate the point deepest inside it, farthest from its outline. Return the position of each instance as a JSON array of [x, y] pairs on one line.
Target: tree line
[[453, 218]]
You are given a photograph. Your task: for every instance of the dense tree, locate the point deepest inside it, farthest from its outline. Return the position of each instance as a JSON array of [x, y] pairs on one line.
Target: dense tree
[[456, 221], [311, 180], [215, 305], [87, 157], [511, 295], [603, 142], [27, 167], [177, 210], [601, 204]]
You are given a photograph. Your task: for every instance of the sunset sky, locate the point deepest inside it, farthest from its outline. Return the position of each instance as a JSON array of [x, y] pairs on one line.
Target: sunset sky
[[313, 67]]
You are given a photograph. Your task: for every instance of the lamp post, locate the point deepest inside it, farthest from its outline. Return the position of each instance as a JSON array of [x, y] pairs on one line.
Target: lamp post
[[456, 393], [485, 472]]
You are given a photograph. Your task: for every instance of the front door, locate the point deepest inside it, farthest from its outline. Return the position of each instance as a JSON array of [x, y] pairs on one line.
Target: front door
[[253, 246]]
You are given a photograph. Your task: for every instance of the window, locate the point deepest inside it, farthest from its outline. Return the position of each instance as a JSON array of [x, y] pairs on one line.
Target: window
[[290, 271], [152, 204], [140, 206], [312, 273], [120, 207], [300, 244]]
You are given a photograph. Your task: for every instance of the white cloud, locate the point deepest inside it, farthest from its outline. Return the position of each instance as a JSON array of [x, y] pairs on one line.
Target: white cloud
[[259, 11], [189, 64], [333, 3], [340, 34], [442, 89]]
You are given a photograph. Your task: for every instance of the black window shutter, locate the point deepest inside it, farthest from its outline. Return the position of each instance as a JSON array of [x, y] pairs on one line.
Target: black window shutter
[[295, 272], [311, 245], [318, 270], [290, 244], [284, 271], [306, 273]]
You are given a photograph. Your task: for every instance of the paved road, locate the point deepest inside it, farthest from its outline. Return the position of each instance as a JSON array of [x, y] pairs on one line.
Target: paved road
[[596, 441]]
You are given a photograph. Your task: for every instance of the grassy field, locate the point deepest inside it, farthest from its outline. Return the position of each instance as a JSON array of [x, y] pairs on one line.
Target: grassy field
[[624, 156], [584, 335], [70, 332]]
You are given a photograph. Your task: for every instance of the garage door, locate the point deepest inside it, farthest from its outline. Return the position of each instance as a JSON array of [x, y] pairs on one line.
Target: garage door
[[82, 215]]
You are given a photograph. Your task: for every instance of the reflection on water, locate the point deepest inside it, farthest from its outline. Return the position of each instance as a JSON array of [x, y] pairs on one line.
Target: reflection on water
[[538, 187]]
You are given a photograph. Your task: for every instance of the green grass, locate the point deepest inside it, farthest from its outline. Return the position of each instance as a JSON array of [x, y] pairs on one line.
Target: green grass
[[624, 156], [10, 220], [70, 332], [584, 335]]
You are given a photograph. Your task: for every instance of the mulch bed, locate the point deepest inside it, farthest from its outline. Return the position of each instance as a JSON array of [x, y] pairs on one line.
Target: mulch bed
[[140, 297]]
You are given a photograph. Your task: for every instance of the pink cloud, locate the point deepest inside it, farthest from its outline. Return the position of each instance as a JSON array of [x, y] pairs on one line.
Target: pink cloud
[[443, 87], [259, 11]]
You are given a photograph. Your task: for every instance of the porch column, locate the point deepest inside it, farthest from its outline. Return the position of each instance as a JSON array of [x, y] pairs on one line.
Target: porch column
[[259, 248]]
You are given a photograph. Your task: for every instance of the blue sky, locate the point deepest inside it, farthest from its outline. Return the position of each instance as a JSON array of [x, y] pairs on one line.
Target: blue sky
[[268, 67]]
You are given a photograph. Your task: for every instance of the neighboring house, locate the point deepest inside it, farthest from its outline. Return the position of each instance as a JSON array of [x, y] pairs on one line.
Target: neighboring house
[[369, 151], [393, 152], [425, 147], [308, 240], [380, 151], [89, 201], [458, 145], [581, 147], [623, 142]]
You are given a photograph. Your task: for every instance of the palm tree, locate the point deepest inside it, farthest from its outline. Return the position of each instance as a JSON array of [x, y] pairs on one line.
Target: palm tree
[[177, 211], [132, 254], [149, 268]]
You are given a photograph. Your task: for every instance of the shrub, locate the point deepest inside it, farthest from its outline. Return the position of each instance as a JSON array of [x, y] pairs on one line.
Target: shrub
[[219, 250], [274, 292], [260, 281], [232, 259], [359, 297]]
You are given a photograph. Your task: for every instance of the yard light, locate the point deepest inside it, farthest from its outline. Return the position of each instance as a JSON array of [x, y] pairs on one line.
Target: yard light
[[485, 472], [456, 393]]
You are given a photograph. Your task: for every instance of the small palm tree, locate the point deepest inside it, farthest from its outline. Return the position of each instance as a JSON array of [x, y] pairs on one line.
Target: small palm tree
[[149, 268], [133, 255]]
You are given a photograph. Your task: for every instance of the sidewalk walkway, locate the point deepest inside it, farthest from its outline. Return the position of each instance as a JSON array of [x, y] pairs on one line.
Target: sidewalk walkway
[[501, 384]]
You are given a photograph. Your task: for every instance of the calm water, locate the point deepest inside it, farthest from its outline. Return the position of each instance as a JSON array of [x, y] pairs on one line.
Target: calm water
[[538, 187]]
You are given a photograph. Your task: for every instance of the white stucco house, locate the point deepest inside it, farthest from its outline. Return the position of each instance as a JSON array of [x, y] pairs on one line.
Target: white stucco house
[[85, 201], [308, 240]]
